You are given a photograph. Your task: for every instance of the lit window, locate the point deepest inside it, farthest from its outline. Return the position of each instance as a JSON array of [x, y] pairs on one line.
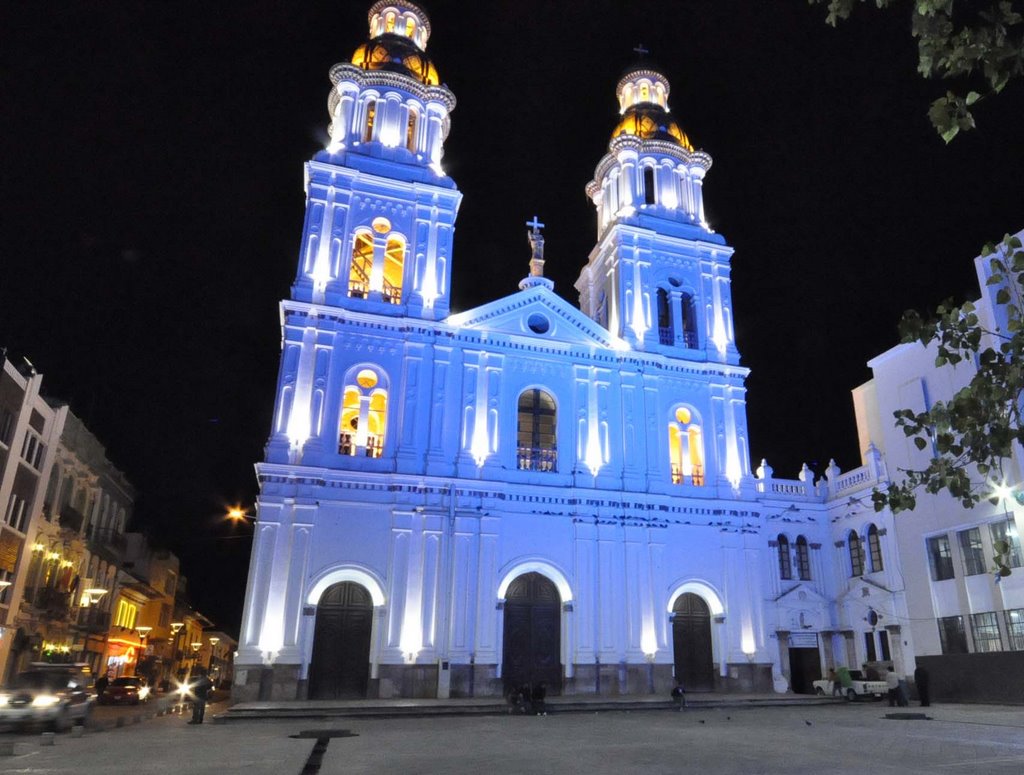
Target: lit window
[[874, 549], [973, 551], [645, 92], [361, 266], [785, 563], [394, 268], [371, 115], [389, 23], [410, 27], [536, 431], [803, 559], [856, 555], [686, 449], [410, 132], [364, 414]]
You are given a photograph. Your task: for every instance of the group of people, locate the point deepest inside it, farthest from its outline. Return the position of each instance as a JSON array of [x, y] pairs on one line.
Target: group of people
[[897, 687], [525, 700]]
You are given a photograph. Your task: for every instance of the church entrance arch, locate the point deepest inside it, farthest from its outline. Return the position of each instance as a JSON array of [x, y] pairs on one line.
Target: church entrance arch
[[691, 640], [532, 633], [340, 664]]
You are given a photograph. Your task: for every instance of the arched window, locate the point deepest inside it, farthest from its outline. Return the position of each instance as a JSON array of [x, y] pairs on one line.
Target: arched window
[[361, 266], [689, 321], [536, 440], [364, 414], [874, 549], [856, 555], [665, 333], [371, 115], [645, 92], [602, 308], [785, 564], [803, 559], [686, 448], [410, 131], [410, 27], [389, 22], [649, 185], [394, 267]]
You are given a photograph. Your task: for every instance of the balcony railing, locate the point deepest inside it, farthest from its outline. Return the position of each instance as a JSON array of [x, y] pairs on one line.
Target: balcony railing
[[536, 459], [696, 477], [72, 519], [666, 335], [347, 445], [52, 603], [690, 339], [93, 619], [109, 538]]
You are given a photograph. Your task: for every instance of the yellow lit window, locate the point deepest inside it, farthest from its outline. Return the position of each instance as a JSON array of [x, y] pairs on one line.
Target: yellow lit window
[[410, 27], [389, 25], [371, 114], [364, 411], [362, 265], [394, 267], [686, 449], [410, 132]]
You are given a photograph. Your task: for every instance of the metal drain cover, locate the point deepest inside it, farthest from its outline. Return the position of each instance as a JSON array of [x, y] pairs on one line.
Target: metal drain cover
[[316, 734]]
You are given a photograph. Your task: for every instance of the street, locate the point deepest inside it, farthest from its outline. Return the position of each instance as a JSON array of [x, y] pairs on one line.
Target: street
[[853, 738]]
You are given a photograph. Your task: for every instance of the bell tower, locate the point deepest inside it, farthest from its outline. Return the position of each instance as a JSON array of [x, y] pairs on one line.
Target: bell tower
[[659, 275], [380, 212]]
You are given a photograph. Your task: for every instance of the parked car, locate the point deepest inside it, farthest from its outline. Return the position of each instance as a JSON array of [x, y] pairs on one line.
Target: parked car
[[131, 689], [52, 695], [853, 685]]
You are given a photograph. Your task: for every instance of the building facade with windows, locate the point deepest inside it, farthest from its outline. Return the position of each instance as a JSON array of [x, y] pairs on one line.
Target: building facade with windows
[[966, 622], [528, 491]]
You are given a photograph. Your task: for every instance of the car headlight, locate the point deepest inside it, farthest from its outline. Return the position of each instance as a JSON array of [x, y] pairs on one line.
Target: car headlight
[[45, 701], [4, 699], [143, 692]]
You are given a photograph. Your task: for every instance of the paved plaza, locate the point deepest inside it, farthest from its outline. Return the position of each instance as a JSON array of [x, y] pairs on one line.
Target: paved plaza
[[840, 738]]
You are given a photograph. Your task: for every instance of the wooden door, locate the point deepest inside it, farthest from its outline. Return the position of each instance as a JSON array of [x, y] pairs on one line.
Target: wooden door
[[532, 634], [340, 665], [691, 639]]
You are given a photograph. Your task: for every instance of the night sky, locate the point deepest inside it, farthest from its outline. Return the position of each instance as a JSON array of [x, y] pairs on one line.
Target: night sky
[[151, 189]]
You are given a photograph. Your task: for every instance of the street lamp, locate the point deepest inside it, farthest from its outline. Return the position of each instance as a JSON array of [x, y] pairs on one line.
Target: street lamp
[[213, 642], [238, 514], [95, 593]]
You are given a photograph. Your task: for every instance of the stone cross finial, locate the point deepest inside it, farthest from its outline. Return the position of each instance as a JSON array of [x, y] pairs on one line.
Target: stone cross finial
[[536, 247], [640, 50]]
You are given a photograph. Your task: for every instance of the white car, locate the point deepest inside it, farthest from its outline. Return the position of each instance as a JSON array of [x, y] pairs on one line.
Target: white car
[[57, 698], [859, 687]]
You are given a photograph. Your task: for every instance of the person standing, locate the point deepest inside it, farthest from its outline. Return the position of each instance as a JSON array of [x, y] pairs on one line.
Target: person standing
[[200, 694], [893, 682], [921, 679], [101, 684]]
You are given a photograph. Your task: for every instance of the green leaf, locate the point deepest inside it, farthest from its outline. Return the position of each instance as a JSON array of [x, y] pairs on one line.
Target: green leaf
[[972, 97]]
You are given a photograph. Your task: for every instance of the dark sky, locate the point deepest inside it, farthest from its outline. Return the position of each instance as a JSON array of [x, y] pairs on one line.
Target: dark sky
[[151, 191]]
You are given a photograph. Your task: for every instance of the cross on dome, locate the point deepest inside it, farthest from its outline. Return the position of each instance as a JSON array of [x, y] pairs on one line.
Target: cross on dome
[[535, 224], [640, 50]]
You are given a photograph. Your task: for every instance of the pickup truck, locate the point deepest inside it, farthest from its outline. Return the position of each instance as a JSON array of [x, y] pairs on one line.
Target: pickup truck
[[854, 687]]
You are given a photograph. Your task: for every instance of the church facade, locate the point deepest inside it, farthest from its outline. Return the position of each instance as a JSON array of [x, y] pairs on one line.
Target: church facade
[[530, 491]]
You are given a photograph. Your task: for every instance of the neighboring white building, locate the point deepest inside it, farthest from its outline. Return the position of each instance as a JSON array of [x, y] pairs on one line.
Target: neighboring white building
[[527, 491], [956, 604]]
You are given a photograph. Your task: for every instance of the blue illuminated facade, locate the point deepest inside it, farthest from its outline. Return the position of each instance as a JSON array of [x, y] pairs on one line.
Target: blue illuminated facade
[[527, 490]]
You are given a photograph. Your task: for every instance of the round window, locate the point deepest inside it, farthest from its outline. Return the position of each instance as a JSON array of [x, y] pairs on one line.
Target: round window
[[381, 225], [683, 415], [538, 323]]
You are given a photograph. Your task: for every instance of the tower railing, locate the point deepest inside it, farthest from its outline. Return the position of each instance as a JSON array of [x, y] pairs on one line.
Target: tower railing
[[536, 459], [347, 445], [696, 477]]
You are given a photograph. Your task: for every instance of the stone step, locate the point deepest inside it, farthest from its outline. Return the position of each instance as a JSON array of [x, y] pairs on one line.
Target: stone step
[[421, 708]]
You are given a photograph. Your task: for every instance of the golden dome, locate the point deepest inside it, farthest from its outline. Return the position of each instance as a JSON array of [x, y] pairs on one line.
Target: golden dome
[[396, 54], [649, 121]]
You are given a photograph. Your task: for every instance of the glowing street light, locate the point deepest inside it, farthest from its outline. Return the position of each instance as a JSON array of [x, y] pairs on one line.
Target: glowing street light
[[238, 514], [176, 627], [143, 631], [95, 593], [196, 645]]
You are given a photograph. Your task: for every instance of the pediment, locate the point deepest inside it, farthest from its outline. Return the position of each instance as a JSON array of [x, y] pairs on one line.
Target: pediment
[[537, 313], [865, 590], [801, 595]]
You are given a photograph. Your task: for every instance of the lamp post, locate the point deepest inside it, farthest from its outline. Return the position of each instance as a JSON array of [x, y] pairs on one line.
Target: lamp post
[[213, 643]]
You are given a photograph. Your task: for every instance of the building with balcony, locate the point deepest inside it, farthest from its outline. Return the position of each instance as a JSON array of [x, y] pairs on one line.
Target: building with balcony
[[29, 429]]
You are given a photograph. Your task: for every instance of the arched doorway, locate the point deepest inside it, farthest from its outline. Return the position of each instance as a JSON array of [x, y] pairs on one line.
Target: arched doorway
[[532, 637], [691, 639], [340, 665]]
